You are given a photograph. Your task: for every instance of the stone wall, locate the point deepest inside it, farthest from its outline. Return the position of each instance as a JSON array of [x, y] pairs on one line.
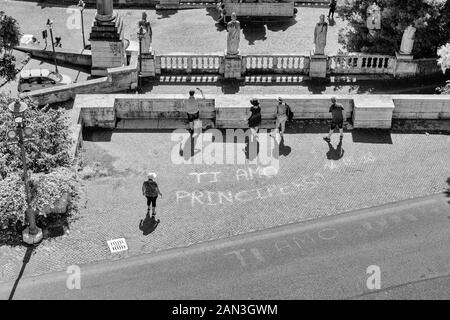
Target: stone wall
[[62, 56], [118, 79], [421, 106]]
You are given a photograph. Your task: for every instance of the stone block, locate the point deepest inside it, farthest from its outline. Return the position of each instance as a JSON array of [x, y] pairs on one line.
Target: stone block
[[373, 111], [318, 66], [233, 66]]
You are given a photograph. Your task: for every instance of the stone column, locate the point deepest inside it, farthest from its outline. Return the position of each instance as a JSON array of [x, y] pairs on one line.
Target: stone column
[[104, 10], [107, 41]]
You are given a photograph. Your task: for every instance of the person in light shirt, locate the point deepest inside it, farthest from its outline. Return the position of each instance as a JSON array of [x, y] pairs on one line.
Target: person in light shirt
[[192, 109]]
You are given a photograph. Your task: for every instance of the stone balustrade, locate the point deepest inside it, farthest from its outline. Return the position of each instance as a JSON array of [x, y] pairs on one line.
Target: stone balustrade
[[277, 63], [187, 63], [361, 64]]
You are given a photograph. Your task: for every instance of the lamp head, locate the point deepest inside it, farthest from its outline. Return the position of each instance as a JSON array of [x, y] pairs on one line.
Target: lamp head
[[17, 108]]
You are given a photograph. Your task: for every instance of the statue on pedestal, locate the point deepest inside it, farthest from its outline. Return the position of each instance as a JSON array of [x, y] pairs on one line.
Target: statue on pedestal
[[373, 21], [320, 36], [234, 33], [407, 44], [147, 40]]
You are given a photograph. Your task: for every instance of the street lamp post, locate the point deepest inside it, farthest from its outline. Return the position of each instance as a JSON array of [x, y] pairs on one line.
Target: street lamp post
[[50, 26], [141, 35], [81, 5], [32, 234]]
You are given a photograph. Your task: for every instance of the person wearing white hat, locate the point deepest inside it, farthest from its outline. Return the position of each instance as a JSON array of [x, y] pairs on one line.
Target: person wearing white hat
[[151, 191]]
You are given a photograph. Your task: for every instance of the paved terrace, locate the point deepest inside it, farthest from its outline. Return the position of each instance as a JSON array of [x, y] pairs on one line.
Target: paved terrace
[[190, 31], [315, 180]]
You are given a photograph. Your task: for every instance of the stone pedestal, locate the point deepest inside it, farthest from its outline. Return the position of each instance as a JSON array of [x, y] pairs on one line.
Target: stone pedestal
[[148, 64], [373, 111], [404, 66], [107, 44], [233, 67], [318, 66]]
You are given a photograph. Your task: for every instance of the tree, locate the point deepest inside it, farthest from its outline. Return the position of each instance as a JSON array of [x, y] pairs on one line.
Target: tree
[[430, 17], [9, 33], [9, 38]]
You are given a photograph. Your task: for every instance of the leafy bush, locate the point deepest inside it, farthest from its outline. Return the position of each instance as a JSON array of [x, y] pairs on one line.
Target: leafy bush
[[444, 62], [7, 67], [444, 57], [430, 17], [47, 189], [52, 140]]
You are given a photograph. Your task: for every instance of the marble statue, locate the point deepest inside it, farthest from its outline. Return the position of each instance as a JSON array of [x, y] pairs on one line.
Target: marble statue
[[234, 33], [147, 40], [373, 17], [407, 44], [320, 36]]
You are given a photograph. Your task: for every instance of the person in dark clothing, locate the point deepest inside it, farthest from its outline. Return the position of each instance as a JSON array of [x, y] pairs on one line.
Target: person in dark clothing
[[151, 191], [254, 122], [332, 9], [337, 112]]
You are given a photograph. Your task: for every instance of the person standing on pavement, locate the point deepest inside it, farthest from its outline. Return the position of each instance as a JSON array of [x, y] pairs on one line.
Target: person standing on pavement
[[282, 117], [254, 121], [332, 9], [337, 113], [151, 191], [192, 109]]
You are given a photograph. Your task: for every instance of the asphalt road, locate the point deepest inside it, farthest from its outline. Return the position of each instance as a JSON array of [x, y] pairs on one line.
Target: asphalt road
[[326, 258]]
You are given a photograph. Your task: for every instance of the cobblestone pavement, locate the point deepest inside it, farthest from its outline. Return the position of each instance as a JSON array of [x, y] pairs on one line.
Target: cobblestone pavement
[[190, 31], [314, 180]]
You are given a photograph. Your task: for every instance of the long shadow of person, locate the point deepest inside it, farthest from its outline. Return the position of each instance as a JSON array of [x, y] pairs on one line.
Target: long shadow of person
[[335, 154], [148, 225], [284, 150], [251, 149], [188, 150]]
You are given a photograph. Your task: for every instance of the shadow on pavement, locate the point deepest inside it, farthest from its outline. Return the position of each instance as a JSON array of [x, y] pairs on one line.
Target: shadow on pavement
[[188, 150], [96, 135], [251, 149], [448, 190], [254, 31], [317, 86], [335, 154], [371, 136], [25, 261], [148, 225], [162, 14], [283, 150]]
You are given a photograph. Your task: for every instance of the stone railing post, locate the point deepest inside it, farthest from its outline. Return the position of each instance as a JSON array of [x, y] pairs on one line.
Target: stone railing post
[[404, 66]]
